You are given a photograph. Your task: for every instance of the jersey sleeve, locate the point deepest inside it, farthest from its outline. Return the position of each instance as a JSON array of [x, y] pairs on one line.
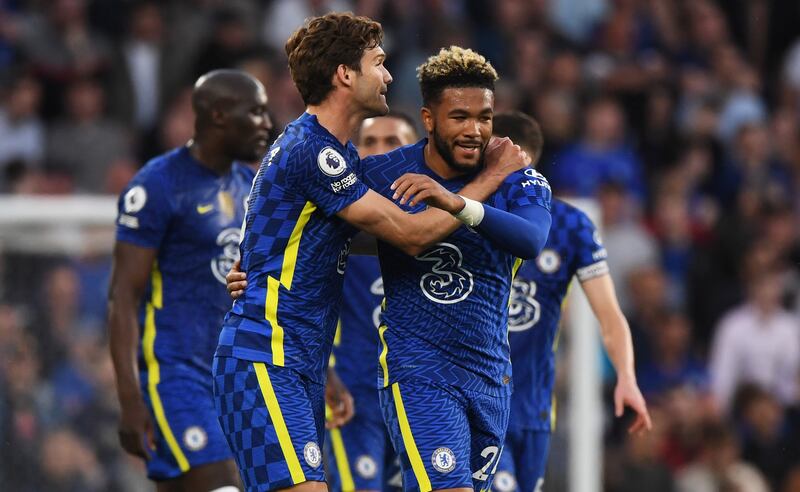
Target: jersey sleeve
[[325, 177], [527, 187], [144, 211], [590, 254]]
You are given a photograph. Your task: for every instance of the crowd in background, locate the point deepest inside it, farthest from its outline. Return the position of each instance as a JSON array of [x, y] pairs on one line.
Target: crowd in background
[[680, 117]]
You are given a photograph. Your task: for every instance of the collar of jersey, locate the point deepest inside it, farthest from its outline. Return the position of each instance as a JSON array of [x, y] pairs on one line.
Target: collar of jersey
[[311, 122]]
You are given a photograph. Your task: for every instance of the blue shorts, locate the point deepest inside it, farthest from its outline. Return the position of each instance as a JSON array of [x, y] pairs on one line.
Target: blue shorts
[[360, 453], [524, 462], [446, 437], [274, 420], [186, 426]]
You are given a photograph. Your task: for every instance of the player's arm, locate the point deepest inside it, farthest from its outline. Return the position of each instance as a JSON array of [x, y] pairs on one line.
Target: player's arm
[[616, 336], [338, 400], [129, 276], [414, 234]]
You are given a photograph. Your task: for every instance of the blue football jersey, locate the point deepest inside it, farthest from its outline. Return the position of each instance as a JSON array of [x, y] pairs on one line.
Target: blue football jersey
[[193, 217], [357, 343], [573, 248], [294, 251], [446, 310]]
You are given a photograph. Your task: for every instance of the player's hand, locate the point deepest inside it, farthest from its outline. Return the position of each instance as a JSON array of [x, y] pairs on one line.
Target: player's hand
[[502, 157], [136, 431], [418, 188], [236, 280], [339, 401], [627, 394]]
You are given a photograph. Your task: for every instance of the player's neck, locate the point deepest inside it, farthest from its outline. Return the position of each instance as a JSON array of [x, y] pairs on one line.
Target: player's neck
[[337, 117], [209, 156]]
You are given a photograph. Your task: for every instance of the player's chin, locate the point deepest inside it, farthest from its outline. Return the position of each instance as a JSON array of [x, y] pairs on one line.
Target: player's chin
[[380, 108]]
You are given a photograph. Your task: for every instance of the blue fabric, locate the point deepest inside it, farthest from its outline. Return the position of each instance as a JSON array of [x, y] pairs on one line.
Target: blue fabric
[[250, 428], [535, 311], [522, 233], [457, 433], [188, 403], [447, 309], [523, 463], [306, 165]]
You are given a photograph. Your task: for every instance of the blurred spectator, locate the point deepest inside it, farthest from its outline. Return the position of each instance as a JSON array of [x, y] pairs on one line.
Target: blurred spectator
[[62, 47], [758, 342], [86, 142], [27, 408], [21, 129], [647, 287], [719, 467], [137, 89], [769, 433], [177, 126], [283, 17], [640, 467], [69, 464], [601, 156], [672, 363], [628, 243], [231, 40]]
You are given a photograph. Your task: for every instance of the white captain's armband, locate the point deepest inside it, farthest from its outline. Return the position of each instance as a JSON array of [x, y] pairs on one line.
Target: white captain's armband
[[592, 271], [472, 213]]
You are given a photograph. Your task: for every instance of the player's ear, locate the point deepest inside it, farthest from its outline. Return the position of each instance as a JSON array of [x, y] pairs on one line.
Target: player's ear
[[219, 117], [427, 119], [344, 75]]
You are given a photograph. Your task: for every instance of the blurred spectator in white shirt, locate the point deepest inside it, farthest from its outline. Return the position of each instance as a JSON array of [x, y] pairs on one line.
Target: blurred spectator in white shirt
[[757, 342]]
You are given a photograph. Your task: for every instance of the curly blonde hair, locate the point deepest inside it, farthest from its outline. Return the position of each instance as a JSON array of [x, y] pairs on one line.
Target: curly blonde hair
[[454, 67]]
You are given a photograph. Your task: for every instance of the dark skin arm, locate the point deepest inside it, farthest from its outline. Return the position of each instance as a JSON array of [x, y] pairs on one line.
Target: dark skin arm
[[339, 401], [129, 276]]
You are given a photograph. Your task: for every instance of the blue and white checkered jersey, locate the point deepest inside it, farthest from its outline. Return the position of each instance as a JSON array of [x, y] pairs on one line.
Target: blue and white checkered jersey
[[446, 311], [294, 251], [573, 248]]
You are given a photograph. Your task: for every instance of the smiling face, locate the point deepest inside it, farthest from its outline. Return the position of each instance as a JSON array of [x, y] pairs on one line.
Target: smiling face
[[371, 83], [460, 125]]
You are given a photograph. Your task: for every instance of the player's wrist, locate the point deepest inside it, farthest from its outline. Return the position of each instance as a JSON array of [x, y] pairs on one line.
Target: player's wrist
[[471, 213]]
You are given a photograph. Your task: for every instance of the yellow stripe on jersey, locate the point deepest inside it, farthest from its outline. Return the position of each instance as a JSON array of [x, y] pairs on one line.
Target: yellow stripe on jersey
[[557, 338], [382, 357], [514, 270], [287, 275], [153, 369], [275, 414], [342, 463], [553, 412], [408, 440]]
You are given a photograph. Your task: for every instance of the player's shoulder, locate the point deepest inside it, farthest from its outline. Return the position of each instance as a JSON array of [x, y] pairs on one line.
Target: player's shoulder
[[161, 172], [526, 177], [570, 216], [397, 156]]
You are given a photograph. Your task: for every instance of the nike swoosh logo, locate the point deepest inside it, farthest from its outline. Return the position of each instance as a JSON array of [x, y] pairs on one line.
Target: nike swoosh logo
[[204, 209]]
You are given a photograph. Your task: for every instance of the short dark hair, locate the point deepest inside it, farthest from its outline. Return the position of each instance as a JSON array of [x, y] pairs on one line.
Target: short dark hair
[[400, 115], [454, 67], [317, 49], [521, 129]]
